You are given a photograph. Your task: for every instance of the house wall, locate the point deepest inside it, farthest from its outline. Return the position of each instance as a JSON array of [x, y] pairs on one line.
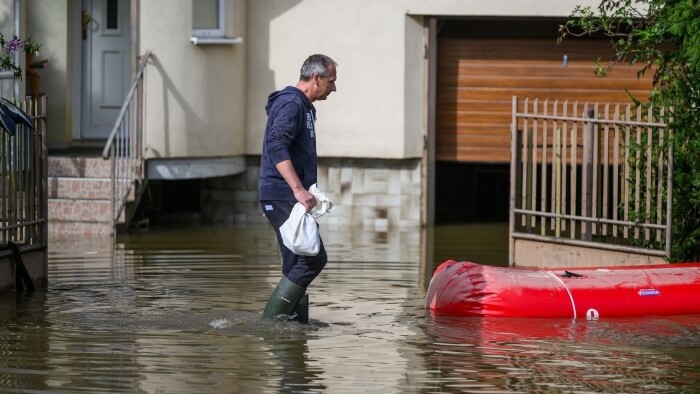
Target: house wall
[[6, 29], [48, 24], [203, 102], [371, 130], [376, 195], [207, 101], [196, 101], [6, 18], [367, 116], [378, 108]]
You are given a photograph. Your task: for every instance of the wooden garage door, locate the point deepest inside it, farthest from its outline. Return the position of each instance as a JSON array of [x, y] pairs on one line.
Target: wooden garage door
[[477, 79]]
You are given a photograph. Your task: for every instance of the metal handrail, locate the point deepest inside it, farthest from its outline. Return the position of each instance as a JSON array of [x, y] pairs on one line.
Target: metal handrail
[[125, 148]]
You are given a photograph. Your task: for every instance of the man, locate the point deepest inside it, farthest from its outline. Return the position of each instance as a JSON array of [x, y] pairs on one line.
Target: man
[[288, 167]]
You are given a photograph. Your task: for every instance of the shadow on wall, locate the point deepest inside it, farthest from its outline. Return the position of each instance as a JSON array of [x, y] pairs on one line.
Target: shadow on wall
[[7, 29], [7, 26], [259, 17], [261, 13], [168, 90]]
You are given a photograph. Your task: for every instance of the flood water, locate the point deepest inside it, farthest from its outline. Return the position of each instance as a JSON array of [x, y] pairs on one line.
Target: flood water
[[178, 311]]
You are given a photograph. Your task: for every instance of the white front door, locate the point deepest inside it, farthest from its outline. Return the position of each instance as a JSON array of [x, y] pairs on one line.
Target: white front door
[[106, 64]]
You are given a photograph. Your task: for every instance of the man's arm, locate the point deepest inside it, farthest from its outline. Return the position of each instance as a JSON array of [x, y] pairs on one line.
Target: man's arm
[[302, 195]]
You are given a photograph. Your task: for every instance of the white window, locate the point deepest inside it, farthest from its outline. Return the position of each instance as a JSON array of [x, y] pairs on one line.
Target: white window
[[209, 23], [208, 18]]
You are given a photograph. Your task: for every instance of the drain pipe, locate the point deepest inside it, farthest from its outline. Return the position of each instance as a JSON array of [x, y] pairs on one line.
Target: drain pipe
[[15, 87]]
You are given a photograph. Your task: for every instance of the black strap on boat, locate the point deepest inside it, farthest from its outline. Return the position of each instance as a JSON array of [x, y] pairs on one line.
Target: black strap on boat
[[569, 274], [22, 277]]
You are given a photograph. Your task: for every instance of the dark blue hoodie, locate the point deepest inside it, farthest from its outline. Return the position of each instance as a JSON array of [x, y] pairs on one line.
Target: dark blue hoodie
[[289, 135]]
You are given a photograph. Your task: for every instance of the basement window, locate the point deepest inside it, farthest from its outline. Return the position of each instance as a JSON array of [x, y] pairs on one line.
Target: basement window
[[209, 23]]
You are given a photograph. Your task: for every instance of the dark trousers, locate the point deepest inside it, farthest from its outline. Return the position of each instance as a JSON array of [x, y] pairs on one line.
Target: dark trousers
[[301, 270]]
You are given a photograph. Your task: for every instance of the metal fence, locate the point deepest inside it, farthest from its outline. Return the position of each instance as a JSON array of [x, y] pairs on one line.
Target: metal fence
[[592, 175], [23, 180]]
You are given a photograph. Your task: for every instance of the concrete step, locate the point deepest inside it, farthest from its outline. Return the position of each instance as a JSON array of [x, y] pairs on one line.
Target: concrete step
[[90, 211], [58, 228], [79, 167], [80, 195], [79, 188]]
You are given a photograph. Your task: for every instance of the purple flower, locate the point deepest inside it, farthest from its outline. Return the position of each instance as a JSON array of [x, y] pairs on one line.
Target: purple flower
[[11, 47], [14, 45]]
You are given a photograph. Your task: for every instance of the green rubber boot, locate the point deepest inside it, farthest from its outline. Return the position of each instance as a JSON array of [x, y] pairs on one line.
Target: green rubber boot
[[283, 299], [301, 311]]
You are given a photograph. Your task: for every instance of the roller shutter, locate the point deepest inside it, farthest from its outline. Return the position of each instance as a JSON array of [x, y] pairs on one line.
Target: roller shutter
[[477, 78]]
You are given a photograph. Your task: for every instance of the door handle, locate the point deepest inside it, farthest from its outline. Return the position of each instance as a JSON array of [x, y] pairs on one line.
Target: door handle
[[87, 18]]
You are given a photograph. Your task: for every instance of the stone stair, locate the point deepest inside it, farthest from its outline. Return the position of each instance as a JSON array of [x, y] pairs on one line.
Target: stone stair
[[79, 195]]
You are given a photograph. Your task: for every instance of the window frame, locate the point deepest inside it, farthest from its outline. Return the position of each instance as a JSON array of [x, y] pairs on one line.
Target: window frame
[[219, 32], [214, 36]]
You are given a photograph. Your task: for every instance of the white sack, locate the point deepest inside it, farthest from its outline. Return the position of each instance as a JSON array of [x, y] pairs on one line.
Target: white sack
[[300, 231], [323, 203]]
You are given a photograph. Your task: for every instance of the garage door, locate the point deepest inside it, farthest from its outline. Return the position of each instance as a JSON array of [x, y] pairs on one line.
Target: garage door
[[478, 77]]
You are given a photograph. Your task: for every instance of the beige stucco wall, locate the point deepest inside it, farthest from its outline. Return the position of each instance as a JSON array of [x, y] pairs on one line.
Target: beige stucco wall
[[47, 23], [208, 101], [6, 19], [378, 110], [366, 117], [6, 29], [195, 105]]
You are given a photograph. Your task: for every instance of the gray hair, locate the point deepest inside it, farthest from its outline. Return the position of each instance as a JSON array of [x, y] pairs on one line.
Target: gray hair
[[316, 64]]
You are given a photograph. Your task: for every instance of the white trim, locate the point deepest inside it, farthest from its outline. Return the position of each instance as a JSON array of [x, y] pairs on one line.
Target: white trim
[[216, 40], [191, 168]]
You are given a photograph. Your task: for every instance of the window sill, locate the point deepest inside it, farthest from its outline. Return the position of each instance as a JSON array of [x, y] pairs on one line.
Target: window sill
[[216, 40]]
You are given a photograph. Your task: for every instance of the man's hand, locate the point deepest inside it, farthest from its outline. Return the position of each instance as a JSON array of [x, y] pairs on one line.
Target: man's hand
[[306, 198], [302, 195]]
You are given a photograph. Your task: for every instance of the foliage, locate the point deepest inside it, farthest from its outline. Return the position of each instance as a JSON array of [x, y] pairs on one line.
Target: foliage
[[663, 37], [8, 48]]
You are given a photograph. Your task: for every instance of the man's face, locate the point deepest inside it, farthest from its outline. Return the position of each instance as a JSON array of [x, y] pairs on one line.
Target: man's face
[[324, 86]]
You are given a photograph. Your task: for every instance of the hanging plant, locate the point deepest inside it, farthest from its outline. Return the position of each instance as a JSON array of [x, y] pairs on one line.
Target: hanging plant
[[8, 48], [10, 114]]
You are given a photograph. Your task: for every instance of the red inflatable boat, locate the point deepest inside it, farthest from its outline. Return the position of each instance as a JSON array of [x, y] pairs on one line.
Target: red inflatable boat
[[469, 289]]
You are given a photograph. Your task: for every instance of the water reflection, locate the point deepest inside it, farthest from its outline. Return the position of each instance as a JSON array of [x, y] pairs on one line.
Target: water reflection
[[23, 341], [563, 355], [178, 311], [484, 243]]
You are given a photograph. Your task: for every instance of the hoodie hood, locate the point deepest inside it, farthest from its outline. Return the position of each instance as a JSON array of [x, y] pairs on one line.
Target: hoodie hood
[[282, 94]]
